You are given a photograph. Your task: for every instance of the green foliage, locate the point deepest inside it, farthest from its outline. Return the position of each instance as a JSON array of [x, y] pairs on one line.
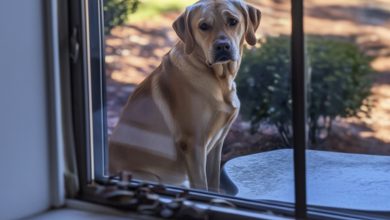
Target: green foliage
[[116, 12], [151, 9], [339, 76]]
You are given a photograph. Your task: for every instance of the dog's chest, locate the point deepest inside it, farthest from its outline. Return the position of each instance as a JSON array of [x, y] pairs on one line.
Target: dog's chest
[[227, 108], [225, 74], [224, 116], [231, 98]]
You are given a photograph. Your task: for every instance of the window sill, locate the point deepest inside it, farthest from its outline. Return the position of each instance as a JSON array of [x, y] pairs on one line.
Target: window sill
[[78, 210]]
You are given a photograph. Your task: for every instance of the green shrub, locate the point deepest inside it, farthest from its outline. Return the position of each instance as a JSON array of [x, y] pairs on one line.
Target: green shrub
[[339, 77], [116, 12]]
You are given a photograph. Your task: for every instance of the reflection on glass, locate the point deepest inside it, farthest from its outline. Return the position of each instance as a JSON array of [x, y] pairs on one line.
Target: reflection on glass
[[174, 118], [349, 112]]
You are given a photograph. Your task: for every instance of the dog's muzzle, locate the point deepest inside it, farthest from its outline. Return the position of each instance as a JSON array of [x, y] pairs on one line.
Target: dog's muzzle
[[222, 51]]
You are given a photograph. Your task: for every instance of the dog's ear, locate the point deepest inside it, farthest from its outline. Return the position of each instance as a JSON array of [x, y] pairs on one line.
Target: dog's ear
[[252, 17], [253, 22], [182, 27]]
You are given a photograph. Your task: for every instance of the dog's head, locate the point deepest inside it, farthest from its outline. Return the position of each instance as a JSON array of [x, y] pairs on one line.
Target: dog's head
[[217, 29]]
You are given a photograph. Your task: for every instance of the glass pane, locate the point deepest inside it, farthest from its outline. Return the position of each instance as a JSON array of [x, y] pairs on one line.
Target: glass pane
[[348, 58], [167, 112]]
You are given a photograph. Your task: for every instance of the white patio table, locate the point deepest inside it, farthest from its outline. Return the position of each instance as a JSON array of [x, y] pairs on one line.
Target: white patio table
[[341, 180]]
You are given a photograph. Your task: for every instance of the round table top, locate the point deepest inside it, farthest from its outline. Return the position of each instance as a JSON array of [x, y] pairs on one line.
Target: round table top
[[343, 180]]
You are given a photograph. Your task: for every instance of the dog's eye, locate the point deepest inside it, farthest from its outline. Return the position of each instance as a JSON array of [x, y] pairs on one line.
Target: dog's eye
[[204, 26], [232, 22]]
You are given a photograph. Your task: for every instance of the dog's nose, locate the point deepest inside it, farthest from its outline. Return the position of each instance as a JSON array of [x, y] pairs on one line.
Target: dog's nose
[[222, 46]]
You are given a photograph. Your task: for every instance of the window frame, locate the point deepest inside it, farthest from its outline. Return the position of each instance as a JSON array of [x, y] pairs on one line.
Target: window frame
[[85, 19], [299, 106], [78, 77]]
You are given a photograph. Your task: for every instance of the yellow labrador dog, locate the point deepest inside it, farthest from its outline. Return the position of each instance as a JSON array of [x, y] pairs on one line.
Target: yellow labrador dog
[[173, 127]]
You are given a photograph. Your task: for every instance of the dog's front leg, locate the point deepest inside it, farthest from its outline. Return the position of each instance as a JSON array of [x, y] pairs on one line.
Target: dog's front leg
[[195, 160], [214, 167], [214, 161], [214, 157]]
